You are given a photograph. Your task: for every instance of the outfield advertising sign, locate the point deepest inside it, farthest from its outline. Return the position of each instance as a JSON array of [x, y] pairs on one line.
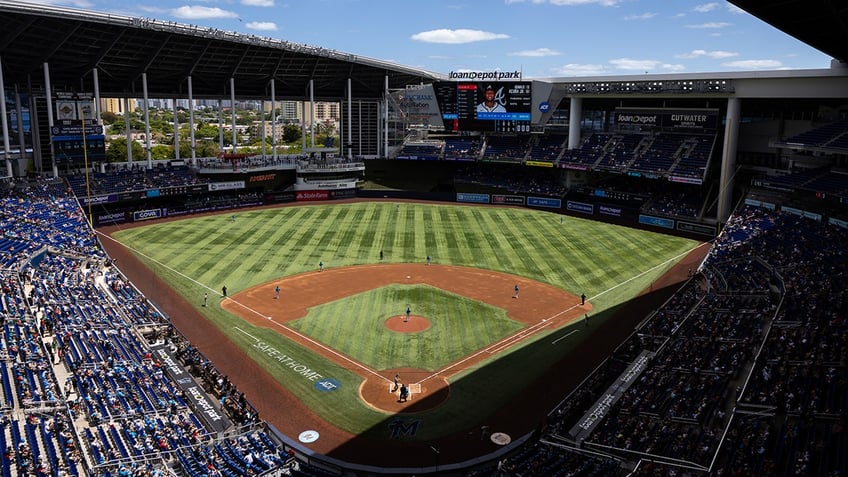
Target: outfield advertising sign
[[696, 228], [115, 218], [656, 221], [581, 207], [98, 199], [607, 210], [231, 185], [544, 202], [147, 215], [312, 195], [472, 198], [508, 199]]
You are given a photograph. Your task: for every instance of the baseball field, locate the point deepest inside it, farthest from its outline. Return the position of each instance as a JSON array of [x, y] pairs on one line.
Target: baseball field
[[334, 339]]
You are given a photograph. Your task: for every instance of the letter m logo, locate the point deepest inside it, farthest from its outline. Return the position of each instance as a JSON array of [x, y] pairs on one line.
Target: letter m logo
[[398, 428]]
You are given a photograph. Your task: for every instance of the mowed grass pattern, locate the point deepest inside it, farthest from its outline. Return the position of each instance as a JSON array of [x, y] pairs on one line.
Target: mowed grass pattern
[[356, 327], [610, 264]]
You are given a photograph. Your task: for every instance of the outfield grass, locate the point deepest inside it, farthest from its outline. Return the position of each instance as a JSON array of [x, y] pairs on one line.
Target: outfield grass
[[609, 264]]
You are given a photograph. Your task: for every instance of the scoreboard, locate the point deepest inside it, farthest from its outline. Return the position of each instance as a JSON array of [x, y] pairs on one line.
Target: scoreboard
[[487, 107]]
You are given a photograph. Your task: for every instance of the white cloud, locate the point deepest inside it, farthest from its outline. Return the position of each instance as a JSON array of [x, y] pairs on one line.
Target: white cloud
[[641, 16], [706, 7], [644, 66], [263, 26], [455, 37], [258, 3], [605, 3], [73, 3], [575, 69], [631, 64], [754, 64], [734, 9], [715, 54], [710, 25], [197, 12], [538, 52]]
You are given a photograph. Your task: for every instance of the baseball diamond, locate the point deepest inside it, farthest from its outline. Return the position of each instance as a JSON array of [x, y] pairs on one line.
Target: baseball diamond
[[280, 355]]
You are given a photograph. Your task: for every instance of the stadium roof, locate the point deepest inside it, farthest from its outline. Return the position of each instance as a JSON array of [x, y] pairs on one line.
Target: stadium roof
[[822, 24], [74, 42]]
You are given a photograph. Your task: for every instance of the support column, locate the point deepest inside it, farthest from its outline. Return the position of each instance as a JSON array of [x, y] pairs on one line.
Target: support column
[[728, 160], [192, 143], [127, 130], [233, 111], [349, 120], [263, 135], [274, 119], [220, 125], [48, 94], [312, 114], [385, 118], [575, 113], [95, 76], [176, 133], [22, 157], [303, 127], [4, 123], [147, 142]]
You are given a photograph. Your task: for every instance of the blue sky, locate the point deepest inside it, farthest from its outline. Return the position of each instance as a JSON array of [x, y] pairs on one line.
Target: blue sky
[[542, 38]]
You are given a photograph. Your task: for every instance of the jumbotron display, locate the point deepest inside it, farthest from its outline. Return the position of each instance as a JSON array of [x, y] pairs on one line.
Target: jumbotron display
[[478, 106]]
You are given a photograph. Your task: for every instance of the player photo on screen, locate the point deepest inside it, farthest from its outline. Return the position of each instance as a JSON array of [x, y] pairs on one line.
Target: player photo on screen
[[493, 100]]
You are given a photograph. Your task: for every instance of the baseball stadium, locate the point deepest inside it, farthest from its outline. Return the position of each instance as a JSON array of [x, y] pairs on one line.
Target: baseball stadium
[[599, 276]]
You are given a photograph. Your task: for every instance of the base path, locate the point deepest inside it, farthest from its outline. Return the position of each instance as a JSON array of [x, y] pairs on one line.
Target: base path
[[540, 306]]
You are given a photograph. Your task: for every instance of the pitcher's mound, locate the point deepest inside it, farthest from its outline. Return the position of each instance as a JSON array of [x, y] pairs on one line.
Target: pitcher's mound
[[400, 324]]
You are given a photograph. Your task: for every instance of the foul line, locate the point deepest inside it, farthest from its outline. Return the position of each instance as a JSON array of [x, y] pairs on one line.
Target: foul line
[[290, 330], [510, 340], [139, 252]]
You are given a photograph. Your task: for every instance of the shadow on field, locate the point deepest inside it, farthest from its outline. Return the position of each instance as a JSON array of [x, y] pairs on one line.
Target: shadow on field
[[564, 359]]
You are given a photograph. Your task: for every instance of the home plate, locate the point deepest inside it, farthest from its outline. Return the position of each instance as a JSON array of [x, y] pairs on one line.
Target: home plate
[[408, 276]]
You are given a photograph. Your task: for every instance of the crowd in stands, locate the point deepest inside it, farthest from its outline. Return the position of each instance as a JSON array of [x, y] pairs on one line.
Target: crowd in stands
[[656, 155], [135, 177], [745, 371], [535, 181], [84, 391]]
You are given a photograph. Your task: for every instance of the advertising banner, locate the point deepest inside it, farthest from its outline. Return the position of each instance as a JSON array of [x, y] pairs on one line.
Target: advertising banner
[[312, 195], [508, 199], [472, 198], [607, 210], [544, 202], [581, 207], [656, 221], [147, 214], [709, 230], [98, 199], [231, 185]]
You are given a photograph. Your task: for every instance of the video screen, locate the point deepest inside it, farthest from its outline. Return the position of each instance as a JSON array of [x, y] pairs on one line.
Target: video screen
[[485, 106]]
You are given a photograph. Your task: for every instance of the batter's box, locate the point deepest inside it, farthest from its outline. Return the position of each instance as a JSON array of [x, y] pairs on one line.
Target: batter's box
[[414, 389]]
